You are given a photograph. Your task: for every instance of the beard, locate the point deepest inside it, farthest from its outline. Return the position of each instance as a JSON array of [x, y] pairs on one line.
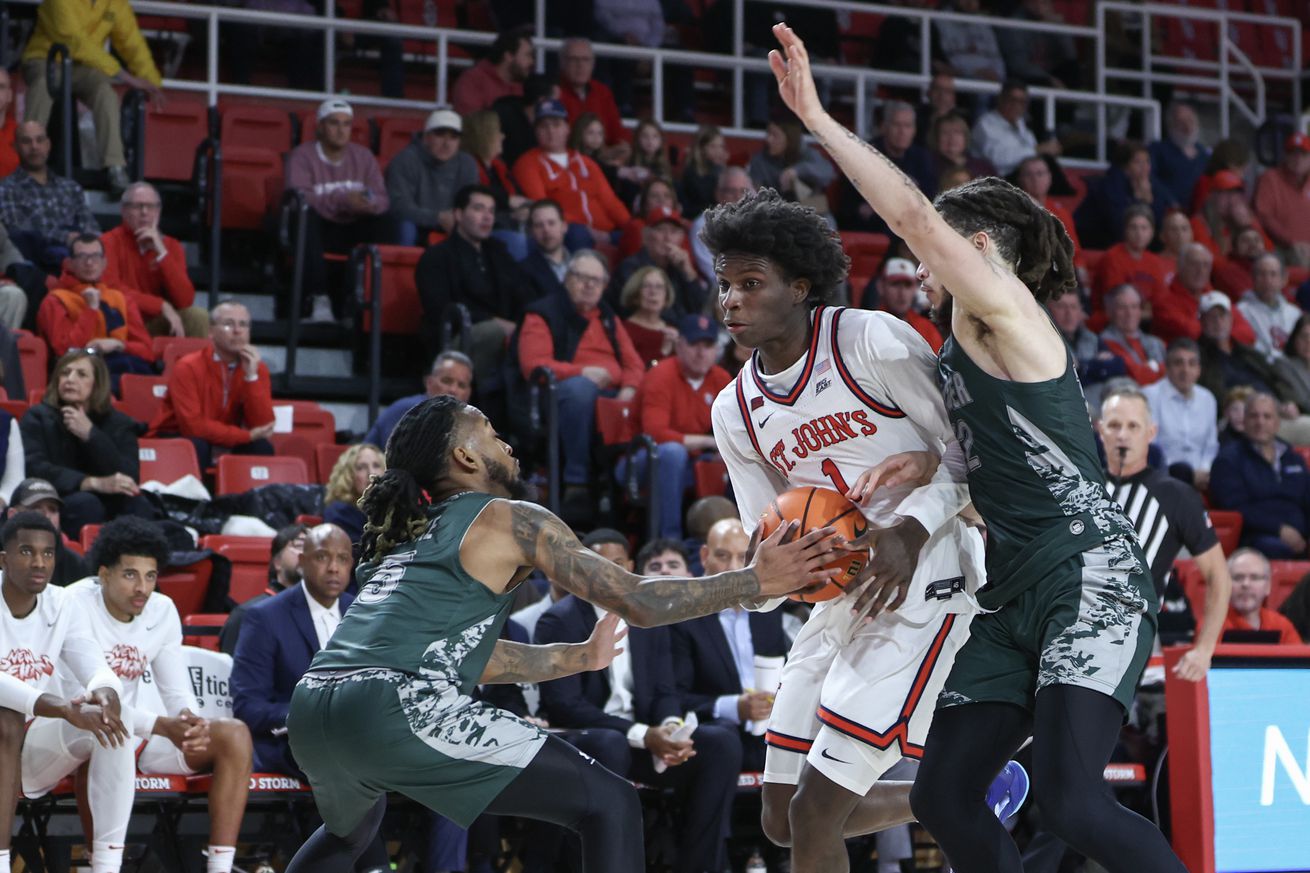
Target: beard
[[517, 488], [941, 315]]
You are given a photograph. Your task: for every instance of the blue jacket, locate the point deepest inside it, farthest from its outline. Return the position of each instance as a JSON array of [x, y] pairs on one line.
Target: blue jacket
[[703, 666], [277, 643], [578, 701], [1242, 480], [388, 418]]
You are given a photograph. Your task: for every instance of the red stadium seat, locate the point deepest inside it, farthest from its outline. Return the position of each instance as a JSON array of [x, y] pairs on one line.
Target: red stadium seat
[[866, 251], [252, 182], [173, 134], [254, 126], [615, 420], [360, 130], [186, 586], [239, 473], [202, 629], [401, 311], [326, 456], [142, 395], [1228, 527], [250, 557], [394, 133], [169, 348], [86, 537], [16, 408], [34, 358], [711, 477], [311, 426], [167, 460], [1284, 576], [1304, 452]]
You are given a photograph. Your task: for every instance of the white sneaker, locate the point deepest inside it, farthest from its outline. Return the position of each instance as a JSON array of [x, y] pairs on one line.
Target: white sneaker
[[322, 313]]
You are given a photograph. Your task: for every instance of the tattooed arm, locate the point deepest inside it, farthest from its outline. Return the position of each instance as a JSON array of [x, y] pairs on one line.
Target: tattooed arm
[[519, 662]]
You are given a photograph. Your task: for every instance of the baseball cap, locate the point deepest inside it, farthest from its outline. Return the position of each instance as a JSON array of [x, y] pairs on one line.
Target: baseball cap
[[665, 213], [332, 106], [549, 109], [1226, 180], [900, 268], [444, 118], [1211, 299], [698, 328], [32, 491], [1297, 142]]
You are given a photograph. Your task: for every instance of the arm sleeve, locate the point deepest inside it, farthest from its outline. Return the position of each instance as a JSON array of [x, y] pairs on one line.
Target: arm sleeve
[[300, 178], [656, 411], [131, 46], [15, 463], [83, 656], [374, 182], [401, 185], [529, 178], [254, 700], [18, 695], [536, 349], [1195, 529], [257, 398], [706, 706], [62, 333], [138, 338], [170, 671], [1210, 446], [179, 289], [39, 459]]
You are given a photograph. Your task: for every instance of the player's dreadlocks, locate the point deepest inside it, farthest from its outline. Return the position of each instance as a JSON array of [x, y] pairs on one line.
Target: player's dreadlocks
[[794, 237], [1025, 234], [395, 504]]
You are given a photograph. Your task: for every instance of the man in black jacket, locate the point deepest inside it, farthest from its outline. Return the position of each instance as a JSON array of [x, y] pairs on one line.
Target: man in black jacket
[[548, 261], [473, 268]]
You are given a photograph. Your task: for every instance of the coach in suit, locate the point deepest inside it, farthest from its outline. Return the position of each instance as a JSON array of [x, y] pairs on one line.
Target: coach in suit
[[714, 655], [636, 698], [279, 638]]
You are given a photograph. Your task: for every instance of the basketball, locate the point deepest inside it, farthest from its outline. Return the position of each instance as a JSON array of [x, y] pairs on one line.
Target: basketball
[[817, 508]]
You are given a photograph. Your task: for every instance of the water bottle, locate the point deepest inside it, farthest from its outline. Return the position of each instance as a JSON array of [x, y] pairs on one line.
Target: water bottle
[[755, 864]]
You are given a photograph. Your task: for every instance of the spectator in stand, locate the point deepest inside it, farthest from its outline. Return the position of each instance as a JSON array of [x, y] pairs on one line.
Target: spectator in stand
[[1260, 476], [706, 161], [673, 408], [1225, 361], [1039, 57], [79, 443], [1282, 200], [724, 690], [1252, 576], [1130, 261], [1096, 363], [351, 474], [1232, 414], [220, 397], [574, 181], [42, 211], [579, 338], [1296, 608], [1292, 367], [948, 140], [501, 73], [1231, 154], [581, 92], [939, 101], [1219, 223], [664, 247], [1265, 308], [283, 572], [343, 185], [1175, 235], [40, 496], [968, 50], [1129, 180], [8, 126], [86, 313], [656, 194], [16, 301], [650, 152], [1143, 355], [647, 295], [484, 141], [1034, 176], [897, 288], [423, 178], [516, 114], [546, 264], [587, 138], [1002, 135], [150, 268], [451, 373], [896, 141], [1185, 414], [472, 268], [90, 31], [734, 183], [1179, 159], [1175, 312], [786, 164]]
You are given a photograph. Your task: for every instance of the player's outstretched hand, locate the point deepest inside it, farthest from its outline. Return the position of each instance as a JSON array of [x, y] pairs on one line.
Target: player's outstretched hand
[[884, 583], [791, 67], [904, 468], [603, 644], [785, 563]]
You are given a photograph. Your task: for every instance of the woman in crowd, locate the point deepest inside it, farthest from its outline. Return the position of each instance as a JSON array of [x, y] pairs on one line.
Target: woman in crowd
[[649, 151], [80, 444], [948, 139], [1175, 235], [485, 141], [1034, 176], [700, 174], [587, 136], [1232, 413], [647, 294], [1292, 370], [350, 476], [1129, 180], [1130, 262], [786, 164]]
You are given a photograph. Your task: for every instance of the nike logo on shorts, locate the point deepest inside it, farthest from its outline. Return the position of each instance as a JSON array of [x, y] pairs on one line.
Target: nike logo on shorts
[[824, 753]]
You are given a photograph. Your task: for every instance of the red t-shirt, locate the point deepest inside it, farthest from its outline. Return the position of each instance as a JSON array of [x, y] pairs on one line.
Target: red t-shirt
[[1148, 273], [600, 100], [669, 408], [537, 349], [1174, 314], [1269, 621]]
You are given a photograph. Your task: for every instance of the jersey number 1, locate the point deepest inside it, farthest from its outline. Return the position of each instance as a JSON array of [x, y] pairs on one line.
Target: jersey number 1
[[829, 469]]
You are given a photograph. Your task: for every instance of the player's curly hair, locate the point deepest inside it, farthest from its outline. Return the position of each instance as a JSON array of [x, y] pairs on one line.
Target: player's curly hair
[[395, 504], [794, 237], [129, 535], [1024, 233]]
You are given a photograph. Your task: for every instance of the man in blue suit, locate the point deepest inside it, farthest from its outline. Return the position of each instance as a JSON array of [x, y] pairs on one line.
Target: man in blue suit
[[714, 655], [279, 638], [635, 698]]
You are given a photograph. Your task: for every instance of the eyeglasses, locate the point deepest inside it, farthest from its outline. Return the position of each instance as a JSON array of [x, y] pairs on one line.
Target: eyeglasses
[[588, 281], [87, 256], [142, 206], [229, 324]]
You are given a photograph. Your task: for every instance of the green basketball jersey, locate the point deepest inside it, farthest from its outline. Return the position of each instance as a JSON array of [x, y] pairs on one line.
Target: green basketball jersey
[[418, 611], [1034, 473]]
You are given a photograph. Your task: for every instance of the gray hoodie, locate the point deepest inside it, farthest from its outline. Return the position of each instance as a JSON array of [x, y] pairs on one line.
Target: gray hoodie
[[420, 186]]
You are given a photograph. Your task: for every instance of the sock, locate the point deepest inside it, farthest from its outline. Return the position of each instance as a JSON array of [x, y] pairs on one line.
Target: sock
[[106, 857], [220, 859]]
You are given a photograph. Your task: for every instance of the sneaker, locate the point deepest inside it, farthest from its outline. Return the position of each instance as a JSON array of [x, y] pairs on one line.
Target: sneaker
[[322, 312], [118, 181], [1008, 792]]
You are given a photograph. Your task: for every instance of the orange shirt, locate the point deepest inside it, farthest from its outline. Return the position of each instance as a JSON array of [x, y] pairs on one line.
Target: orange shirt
[[580, 188], [537, 349], [1174, 314], [148, 280], [669, 408], [65, 322], [1269, 621], [210, 400]]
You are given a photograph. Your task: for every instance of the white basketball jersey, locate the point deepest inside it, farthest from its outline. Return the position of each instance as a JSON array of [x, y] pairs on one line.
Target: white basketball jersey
[[865, 390]]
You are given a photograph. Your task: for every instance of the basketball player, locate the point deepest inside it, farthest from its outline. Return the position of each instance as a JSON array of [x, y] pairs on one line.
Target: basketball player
[[1074, 605], [138, 629], [828, 394], [40, 627], [385, 705]]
